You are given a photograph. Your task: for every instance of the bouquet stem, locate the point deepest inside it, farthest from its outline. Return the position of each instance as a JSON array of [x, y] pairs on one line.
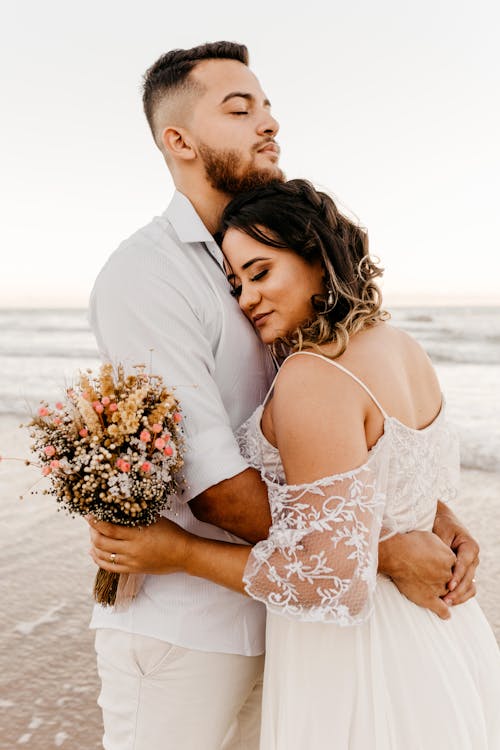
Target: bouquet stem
[[105, 587], [116, 589]]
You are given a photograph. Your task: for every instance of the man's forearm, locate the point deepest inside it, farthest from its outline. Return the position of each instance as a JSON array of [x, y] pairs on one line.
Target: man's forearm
[[239, 505]]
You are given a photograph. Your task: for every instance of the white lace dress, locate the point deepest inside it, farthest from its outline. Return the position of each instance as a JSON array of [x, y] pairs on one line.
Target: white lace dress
[[350, 662]]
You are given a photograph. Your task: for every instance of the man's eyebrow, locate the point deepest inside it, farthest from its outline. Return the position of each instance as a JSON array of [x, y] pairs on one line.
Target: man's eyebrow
[[243, 95]]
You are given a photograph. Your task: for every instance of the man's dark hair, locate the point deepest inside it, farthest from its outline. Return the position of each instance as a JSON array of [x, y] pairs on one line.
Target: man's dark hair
[[172, 70]]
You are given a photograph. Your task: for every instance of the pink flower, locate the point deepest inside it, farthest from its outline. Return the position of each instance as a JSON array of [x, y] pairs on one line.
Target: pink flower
[[113, 407], [157, 428], [83, 432], [49, 451], [160, 443], [46, 471], [98, 407], [85, 395], [124, 466], [59, 405], [168, 451], [105, 401], [54, 464], [43, 411], [145, 436], [146, 466], [177, 417], [57, 421]]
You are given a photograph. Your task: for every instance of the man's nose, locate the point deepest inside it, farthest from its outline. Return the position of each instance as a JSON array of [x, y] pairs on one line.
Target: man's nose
[[268, 125]]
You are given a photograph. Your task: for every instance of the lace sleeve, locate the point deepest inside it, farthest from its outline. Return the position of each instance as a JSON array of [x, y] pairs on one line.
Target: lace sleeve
[[319, 562]]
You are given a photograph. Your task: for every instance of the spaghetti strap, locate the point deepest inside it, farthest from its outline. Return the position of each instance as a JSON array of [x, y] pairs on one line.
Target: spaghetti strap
[[339, 367], [271, 388]]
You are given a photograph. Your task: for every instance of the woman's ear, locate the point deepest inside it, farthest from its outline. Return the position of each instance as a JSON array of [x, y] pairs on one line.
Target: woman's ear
[[177, 143]]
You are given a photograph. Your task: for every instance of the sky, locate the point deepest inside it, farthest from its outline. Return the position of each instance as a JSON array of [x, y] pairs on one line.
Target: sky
[[393, 106]]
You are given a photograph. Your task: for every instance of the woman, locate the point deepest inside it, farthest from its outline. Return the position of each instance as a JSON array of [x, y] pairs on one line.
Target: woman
[[353, 444]]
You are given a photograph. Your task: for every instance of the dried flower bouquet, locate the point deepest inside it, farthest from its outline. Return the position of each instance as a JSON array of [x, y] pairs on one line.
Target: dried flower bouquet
[[113, 450]]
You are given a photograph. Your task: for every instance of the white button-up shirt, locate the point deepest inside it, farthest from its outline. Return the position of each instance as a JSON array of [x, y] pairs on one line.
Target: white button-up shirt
[[162, 291]]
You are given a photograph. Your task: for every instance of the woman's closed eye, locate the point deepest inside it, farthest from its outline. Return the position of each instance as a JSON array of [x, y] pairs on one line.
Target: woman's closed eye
[[237, 288], [259, 275]]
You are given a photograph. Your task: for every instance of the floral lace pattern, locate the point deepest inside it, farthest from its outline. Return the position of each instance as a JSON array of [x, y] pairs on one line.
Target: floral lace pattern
[[424, 468], [320, 559], [319, 562]]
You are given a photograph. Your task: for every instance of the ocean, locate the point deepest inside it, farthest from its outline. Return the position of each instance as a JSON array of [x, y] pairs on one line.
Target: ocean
[[40, 351], [48, 681]]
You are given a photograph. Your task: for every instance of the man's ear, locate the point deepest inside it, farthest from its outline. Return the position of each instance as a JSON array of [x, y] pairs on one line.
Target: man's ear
[[177, 143]]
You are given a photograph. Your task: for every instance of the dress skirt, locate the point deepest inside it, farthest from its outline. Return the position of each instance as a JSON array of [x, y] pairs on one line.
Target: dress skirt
[[403, 680]]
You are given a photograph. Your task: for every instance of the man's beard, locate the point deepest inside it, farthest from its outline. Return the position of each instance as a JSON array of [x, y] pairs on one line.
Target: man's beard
[[223, 171]]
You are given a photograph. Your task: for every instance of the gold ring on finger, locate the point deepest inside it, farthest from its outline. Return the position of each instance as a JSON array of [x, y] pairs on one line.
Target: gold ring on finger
[[112, 558]]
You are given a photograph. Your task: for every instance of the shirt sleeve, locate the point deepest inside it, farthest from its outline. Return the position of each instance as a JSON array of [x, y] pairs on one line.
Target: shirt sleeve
[[141, 311], [319, 562]]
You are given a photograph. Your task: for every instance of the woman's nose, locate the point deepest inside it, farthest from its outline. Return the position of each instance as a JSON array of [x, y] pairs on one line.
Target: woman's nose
[[249, 298]]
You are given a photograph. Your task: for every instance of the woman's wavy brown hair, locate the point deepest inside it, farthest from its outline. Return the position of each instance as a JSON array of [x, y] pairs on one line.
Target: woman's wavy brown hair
[[295, 216]]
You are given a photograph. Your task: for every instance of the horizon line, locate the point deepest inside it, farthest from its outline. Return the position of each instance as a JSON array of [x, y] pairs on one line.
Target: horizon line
[[450, 302]]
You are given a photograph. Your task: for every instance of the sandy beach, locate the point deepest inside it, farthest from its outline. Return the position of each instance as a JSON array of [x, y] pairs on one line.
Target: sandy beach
[[49, 685]]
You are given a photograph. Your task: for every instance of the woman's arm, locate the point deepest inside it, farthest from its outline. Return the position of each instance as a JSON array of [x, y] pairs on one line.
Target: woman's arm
[[221, 562], [170, 549], [418, 562]]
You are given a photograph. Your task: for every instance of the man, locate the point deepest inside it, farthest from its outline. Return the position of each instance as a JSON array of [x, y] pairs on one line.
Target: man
[[182, 667]]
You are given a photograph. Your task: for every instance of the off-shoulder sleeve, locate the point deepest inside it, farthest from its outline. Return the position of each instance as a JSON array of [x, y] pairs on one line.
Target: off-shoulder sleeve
[[319, 562]]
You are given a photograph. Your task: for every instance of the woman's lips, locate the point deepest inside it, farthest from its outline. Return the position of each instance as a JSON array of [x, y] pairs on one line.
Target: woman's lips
[[259, 320]]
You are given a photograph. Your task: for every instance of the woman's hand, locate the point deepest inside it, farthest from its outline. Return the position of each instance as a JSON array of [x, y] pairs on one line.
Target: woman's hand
[[156, 549]]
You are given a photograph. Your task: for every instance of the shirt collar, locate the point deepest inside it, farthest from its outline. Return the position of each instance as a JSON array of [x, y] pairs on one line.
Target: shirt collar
[[186, 222]]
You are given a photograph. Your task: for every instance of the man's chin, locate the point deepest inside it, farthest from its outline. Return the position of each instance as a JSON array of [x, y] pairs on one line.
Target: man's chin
[[226, 174], [260, 178], [277, 173], [271, 168]]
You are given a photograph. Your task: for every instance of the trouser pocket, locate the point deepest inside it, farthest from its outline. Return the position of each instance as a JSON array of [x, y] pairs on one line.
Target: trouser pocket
[[132, 654], [150, 654]]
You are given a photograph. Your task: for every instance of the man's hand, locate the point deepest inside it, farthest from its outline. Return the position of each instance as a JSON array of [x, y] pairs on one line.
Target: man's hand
[[449, 529], [421, 565], [159, 548]]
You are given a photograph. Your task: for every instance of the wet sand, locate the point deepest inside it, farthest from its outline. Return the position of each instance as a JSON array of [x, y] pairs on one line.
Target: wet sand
[[48, 680]]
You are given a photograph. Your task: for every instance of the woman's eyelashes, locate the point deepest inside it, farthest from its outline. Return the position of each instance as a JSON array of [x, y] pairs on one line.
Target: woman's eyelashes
[[236, 288], [259, 275]]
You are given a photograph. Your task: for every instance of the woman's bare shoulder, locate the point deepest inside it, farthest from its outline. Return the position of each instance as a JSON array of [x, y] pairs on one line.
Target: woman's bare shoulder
[[309, 372], [318, 419]]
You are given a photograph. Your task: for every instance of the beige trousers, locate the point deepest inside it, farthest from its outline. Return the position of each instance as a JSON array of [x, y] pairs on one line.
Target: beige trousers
[[156, 696]]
